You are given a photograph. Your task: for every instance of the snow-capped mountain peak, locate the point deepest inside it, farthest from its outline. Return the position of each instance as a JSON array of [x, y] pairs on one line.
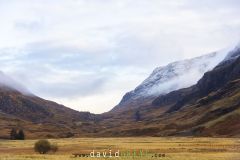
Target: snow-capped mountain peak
[[233, 54], [174, 76]]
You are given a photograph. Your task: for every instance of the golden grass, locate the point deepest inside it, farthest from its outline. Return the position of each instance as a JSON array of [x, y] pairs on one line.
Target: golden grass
[[174, 148]]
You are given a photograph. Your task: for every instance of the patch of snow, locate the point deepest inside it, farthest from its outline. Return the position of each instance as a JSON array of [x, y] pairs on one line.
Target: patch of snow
[[176, 75]]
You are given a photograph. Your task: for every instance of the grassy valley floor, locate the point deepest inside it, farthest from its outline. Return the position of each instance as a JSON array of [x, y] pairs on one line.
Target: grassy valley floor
[[170, 148]]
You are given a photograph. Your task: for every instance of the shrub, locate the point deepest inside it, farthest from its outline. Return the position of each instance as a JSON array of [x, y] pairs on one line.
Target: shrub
[[44, 146]]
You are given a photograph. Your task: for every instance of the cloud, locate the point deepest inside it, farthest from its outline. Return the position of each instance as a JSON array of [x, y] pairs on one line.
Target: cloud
[[6, 81], [73, 51]]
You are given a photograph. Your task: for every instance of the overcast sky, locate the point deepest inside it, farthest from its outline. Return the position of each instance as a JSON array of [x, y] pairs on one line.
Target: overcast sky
[[86, 54]]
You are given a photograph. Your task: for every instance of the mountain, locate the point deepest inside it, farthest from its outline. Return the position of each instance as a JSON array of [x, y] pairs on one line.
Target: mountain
[[233, 54], [21, 109], [217, 92], [211, 81], [172, 77], [211, 107]]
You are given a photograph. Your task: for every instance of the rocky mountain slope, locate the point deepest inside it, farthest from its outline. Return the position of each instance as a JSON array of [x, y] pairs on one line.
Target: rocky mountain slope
[[19, 109], [209, 108], [211, 81], [172, 77]]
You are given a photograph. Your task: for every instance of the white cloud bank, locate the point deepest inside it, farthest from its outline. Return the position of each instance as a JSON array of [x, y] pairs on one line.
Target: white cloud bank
[[87, 53]]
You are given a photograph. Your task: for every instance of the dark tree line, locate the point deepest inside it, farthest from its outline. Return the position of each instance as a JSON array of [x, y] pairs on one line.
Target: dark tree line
[[17, 135]]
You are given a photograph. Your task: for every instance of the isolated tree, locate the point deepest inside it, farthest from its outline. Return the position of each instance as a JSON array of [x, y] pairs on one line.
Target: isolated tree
[[13, 134], [42, 146], [20, 135]]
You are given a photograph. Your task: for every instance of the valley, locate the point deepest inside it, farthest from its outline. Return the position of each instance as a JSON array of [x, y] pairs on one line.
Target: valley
[[211, 108], [122, 80]]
